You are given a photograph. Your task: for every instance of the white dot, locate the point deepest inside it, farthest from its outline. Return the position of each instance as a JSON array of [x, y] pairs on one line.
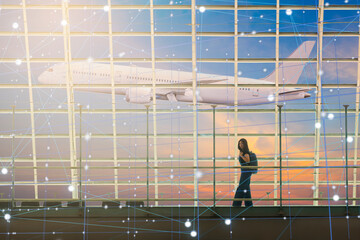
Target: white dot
[[350, 139], [7, 217], [239, 73], [106, 8], [18, 62], [193, 233], [288, 12], [323, 114], [331, 116], [63, 22], [321, 72], [106, 206], [87, 136], [327, 4], [15, 25], [188, 224], [264, 70], [318, 125], [202, 9], [270, 98], [227, 221], [199, 174], [4, 171], [333, 187], [71, 188], [336, 197]]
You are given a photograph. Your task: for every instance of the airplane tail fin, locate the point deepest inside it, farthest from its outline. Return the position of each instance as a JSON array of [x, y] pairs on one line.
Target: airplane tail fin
[[289, 72]]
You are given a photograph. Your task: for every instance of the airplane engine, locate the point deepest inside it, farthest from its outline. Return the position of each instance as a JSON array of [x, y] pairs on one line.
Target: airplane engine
[[138, 95]]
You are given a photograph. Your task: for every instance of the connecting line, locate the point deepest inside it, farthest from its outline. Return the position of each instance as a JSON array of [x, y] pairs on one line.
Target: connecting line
[[98, 225], [327, 178]]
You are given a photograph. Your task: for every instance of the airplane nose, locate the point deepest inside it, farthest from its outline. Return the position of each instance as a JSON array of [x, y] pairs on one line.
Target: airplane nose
[[307, 95]]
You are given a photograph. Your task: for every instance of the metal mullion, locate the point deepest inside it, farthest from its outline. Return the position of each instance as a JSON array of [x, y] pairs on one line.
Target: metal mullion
[[318, 98], [356, 140], [113, 101], [70, 99], [152, 28], [236, 95], [31, 99], [194, 101], [276, 150]]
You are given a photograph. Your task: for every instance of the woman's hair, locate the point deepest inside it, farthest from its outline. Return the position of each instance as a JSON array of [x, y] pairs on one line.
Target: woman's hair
[[245, 148]]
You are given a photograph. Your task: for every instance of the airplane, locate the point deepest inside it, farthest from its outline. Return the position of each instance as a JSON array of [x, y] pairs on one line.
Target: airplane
[[97, 73]]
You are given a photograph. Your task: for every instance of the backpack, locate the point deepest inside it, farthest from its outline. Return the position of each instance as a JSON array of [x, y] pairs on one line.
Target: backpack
[[253, 162]]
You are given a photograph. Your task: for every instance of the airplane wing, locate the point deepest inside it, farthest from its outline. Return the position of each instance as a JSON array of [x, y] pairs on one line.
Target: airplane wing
[[204, 81], [295, 91]]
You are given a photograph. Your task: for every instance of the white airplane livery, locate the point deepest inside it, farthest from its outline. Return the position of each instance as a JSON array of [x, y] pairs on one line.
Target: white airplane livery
[[96, 73]]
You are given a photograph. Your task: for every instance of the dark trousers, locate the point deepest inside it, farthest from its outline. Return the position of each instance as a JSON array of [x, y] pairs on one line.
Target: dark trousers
[[243, 190]]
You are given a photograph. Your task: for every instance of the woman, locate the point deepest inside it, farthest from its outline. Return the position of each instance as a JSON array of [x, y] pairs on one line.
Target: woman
[[243, 190]]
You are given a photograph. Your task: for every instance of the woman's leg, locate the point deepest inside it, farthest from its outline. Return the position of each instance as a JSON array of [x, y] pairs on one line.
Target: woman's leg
[[238, 194], [243, 188]]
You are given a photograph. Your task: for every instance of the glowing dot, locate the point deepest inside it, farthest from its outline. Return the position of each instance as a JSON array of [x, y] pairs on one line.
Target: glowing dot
[[90, 59], [86, 167], [313, 187], [202, 9], [4, 171], [336, 197], [253, 32], [71, 188], [239, 73], [261, 16], [284, 218], [87, 136], [227, 221], [323, 114], [331, 116], [63, 22], [106, 206], [288, 12], [270, 98], [18, 62], [318, 125], [171, 176], [321, 72], [188, 224], [333, 187], [264, 70], [7, 217], [106, 8], [350, 139], [193, 233], [327, 4], [15, 25], [199, 174]]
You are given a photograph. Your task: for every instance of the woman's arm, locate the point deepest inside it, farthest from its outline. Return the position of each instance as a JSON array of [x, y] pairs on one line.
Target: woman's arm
[[246, 158]]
